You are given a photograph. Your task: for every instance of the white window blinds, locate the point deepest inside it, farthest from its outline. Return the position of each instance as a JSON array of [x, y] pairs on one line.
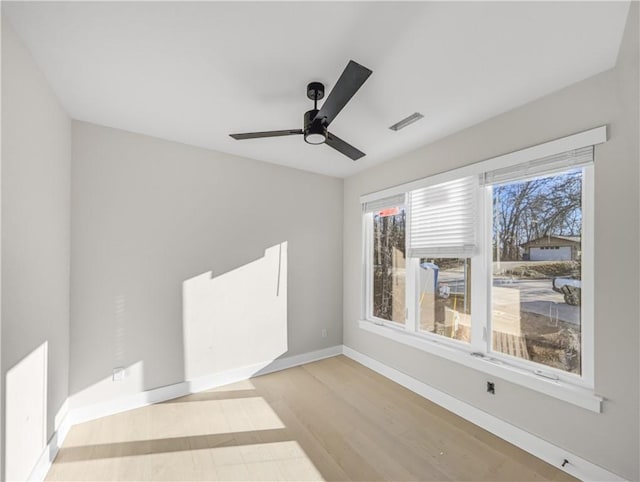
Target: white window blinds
[[540, 167], [442, 219], [384, 203]]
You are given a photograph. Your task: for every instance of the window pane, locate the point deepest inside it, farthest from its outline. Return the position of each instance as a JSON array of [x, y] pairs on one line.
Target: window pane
[[537, 228], [389, 264], [445, 297]]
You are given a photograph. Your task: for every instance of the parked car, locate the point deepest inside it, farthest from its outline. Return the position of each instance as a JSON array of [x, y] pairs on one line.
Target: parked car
[[570, 288]]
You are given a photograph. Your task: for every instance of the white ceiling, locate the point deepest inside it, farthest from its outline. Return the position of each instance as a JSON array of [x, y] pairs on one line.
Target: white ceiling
[[196, 72]]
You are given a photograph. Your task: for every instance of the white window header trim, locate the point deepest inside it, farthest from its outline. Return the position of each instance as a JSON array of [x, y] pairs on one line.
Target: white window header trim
[[591, 137]]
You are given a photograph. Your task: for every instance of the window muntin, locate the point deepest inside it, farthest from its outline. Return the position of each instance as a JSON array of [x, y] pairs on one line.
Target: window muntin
[[388, 264], [536, 270]]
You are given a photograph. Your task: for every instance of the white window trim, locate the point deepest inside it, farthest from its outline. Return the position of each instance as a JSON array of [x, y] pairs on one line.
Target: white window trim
[[574, 394], [591, 137], [574, 389]]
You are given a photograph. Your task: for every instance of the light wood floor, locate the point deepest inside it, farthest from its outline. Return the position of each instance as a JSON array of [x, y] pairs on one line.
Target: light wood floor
[[329, 420]]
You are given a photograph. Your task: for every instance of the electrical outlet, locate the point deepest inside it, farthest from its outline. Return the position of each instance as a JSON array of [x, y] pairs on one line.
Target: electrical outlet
[[118, 374], [491, 388], [324, 333]]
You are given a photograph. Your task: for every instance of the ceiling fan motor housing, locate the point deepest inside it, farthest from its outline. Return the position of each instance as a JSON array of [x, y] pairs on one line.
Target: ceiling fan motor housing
[[315, 131]]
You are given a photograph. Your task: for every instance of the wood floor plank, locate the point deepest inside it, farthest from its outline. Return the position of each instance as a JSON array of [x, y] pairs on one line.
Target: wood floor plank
[[501, 454], [304, 402], [426, 440], [329, 420], [362, 435], [432, 440]]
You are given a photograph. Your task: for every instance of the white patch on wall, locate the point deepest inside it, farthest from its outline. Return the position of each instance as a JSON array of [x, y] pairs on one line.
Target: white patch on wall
[[238, 318], [26, 413]]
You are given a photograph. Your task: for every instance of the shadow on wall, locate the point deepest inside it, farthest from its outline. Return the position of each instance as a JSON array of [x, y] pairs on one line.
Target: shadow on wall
[[237, 319], [26, 413], [234, 321], [124, 380]]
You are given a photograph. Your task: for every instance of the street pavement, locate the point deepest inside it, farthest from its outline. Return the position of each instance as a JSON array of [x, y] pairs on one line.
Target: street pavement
[[537, 296], [534, 295]]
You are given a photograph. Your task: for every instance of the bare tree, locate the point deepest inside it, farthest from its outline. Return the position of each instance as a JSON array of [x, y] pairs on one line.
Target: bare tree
[[389, 236], [523, 211]]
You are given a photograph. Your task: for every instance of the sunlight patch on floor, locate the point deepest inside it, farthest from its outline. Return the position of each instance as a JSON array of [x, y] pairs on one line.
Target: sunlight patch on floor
[[178, 420], [278, 461]]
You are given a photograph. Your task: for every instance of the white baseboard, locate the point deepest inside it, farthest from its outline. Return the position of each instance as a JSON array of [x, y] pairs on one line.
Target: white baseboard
[[577, 466], [231, 376], [207, 382], [554, 455], [66, 418], [129, 402], [62, 426]]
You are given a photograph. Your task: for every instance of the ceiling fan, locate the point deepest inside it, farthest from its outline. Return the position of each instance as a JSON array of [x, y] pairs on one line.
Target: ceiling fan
[[316, 121]]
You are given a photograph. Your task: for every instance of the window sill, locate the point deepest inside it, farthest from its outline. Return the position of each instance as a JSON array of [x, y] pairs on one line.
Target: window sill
[[580, 396]]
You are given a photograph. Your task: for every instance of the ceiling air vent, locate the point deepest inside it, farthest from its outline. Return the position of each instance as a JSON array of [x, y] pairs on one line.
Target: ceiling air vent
[[416, 116]]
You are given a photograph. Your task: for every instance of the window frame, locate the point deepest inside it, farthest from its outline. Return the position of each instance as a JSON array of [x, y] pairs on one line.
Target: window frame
[[478, 353]]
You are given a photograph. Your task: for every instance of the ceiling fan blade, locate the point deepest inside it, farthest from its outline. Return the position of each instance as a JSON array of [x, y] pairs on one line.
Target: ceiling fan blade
[[350, 81], [342, 147], [257, 135]]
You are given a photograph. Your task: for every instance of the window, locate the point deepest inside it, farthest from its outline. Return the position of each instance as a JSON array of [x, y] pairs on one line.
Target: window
[[493, 260], [535, 294], [388, 264], [444, 297]]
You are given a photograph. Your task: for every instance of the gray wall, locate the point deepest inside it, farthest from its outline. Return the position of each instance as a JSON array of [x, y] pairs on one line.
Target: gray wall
[[36, 153], [148, 215], [609, 439]]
